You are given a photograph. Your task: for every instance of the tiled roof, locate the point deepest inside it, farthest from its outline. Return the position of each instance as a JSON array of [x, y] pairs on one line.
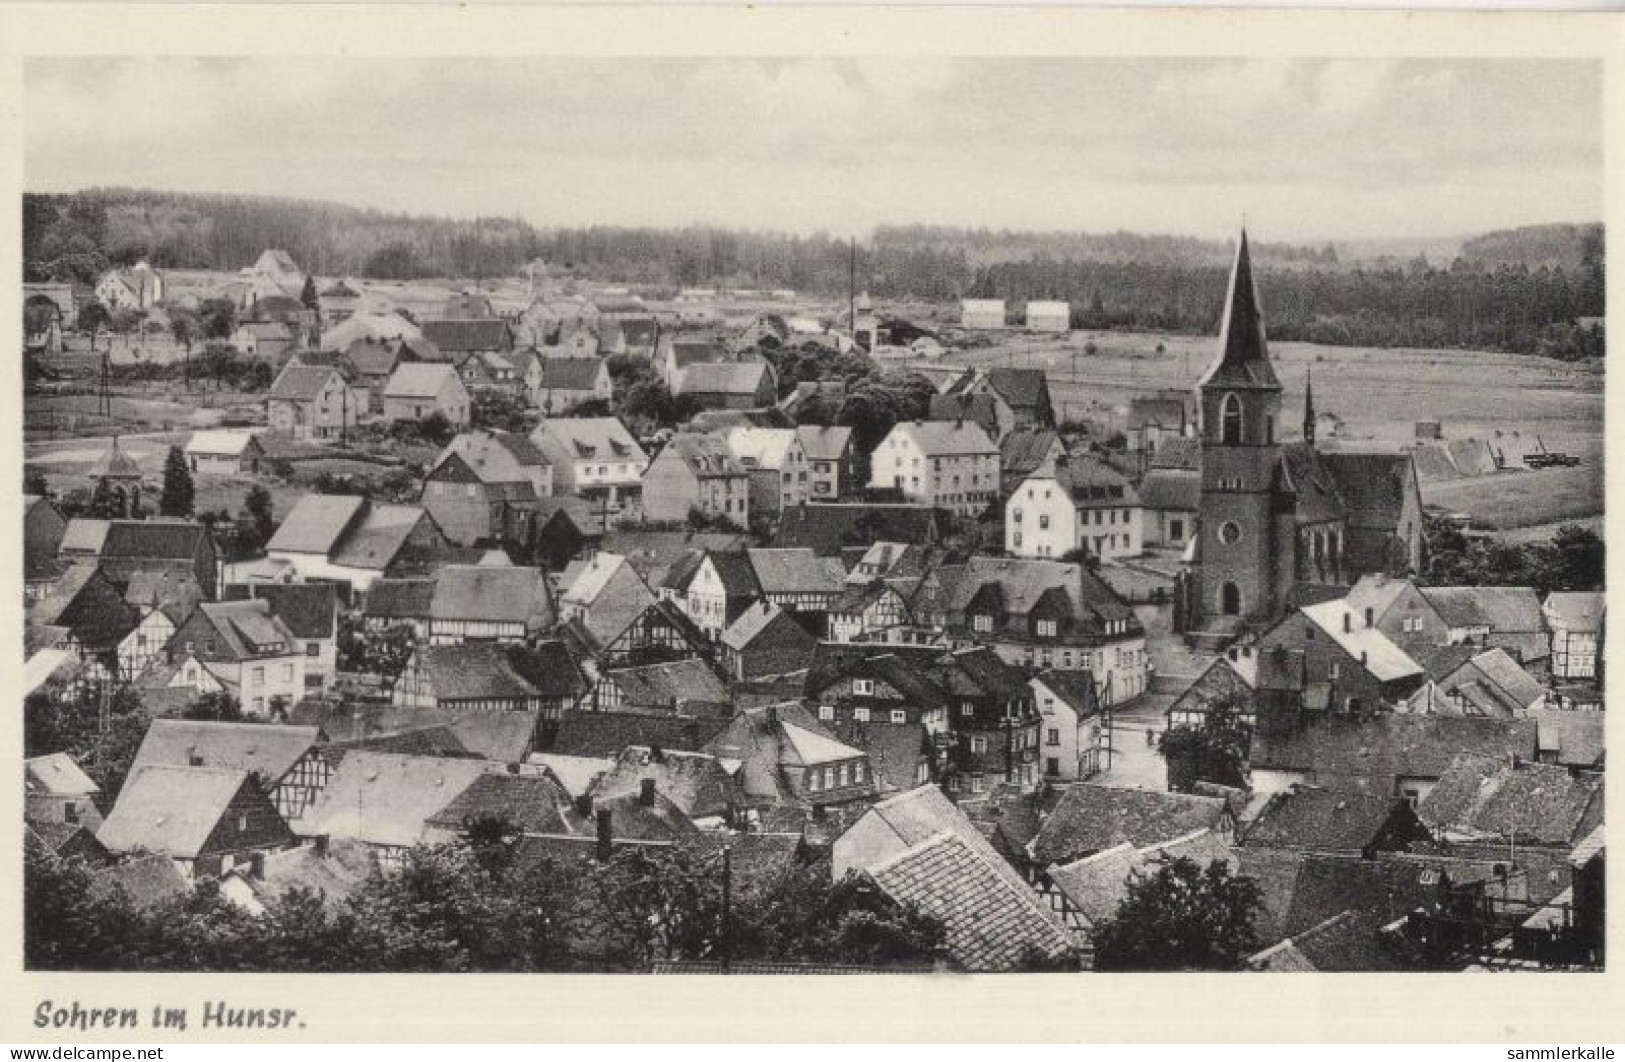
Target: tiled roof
[[1171, 490], [1092, 818], [571, 374], [301, 383], [1322, 819], [1577, 611], [1386, 661], [1097, 884], [56, 774], [1491, 798], [378, 539], [990, 923], [669, 685], [315, 523], [492, 594], [947, 438], [386, 799], [1503, 609], [1024, 449], [248, 629], [1347, 942], [1183, 455], [1022, 582], [147, 880], [761, 447], [825, 529], [822, 443], [310, 610], [1368, 756], [696, 783], [706, 455], [170, 810], [1094, 484], [154, 539], [896, 751], [1575, 739], [530, 803], [459, 336], [1372, 486], [269, 750], [417, 379], [979, 409], [587, 438], [1076, 688], [400, 599], [787, 571], [605, 734], [722, 377]]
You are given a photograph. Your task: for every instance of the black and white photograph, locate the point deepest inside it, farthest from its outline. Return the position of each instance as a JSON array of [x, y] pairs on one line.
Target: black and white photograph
[[782, 514]]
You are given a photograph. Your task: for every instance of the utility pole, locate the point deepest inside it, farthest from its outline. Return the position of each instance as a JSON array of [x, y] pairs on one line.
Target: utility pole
[[726, 945], [852, 285]]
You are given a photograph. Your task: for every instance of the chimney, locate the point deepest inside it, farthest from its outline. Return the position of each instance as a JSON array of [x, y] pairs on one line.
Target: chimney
[[1348, 622], [605, 835], [646, 793], [321, 845], [256, 866], [192, 758], [584, 805]]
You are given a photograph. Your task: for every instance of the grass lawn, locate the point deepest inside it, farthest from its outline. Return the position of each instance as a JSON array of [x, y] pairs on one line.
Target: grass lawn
[[1523, 499]]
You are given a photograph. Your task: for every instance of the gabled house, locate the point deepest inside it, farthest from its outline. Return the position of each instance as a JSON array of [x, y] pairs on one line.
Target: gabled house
[[788, 758], [682, 687], [385, 800], [123, 548], [776, 463], [867, 612], [463, 603], [765, 640], [1508, 617], [798, 579], [1347, 667], [828, 528], [992, 718], [1092, 818], [370, 362], [728, 385], [1045, 613], [458, 338], [487, 487], [693, 473], [700, 786], [310, 611], [831, 461], [264, 339], [207, 820], [945, 464], [1576, 623], [224, 453], [314, 402], [1084, 504], [1070, 724], [418, 389], [595, 459], [56, 791], [1498, 801], [1489, 683], [163, 600], [568, 382], [285, 761], [85, 603], [140, 287], [488, 677], [43, 528], [1087, 892], [676, 353], [1025, 391], [918, 848], [350, 539], [713, 587], [987, 411], [249, 650], [1157, 417], [1169, 500], [1026, 453]]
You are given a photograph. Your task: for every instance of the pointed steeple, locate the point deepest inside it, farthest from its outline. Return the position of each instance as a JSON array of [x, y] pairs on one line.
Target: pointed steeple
[[1309, 407], [1243, 359]]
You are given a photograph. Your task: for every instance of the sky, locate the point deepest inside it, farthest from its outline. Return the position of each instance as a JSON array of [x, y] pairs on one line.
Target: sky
[[1306, 150]]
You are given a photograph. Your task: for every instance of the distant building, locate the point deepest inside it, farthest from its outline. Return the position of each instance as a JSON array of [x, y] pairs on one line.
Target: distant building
[[487, 487], [1049, 316], [695, 472], [595, 459], [728, 385], [140, 287], [981, 313], [1576, 620], [1085, 504], [349, 539], [207, 820], [1156, 417], [417, 389], [313, 402], [1070, 725], [224, 453], [568, 382], [831, 461], [945, 464]]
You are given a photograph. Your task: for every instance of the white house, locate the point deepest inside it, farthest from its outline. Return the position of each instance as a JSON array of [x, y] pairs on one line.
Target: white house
[[949, 464], [1576, 620], [777, 463], [1069, 731], [1085, 505], [981, 313], [224, 453], [596, 459], [1043, 316]]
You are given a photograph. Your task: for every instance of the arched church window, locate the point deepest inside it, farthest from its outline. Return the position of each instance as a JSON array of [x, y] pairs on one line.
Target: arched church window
[[1269, 429], [1230, 600], [1230, 420]]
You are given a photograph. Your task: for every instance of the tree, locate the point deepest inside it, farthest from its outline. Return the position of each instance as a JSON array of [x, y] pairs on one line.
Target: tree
[[217, 706], [34, 482], [308, 296], [1578, 559], [255, 530], [94, 318], [436, 428], [178, 493], [1180, 916], [1213, 751], [185, 328]]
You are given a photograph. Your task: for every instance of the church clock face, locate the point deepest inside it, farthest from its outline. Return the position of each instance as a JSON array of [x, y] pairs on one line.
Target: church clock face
[[1230, 532]]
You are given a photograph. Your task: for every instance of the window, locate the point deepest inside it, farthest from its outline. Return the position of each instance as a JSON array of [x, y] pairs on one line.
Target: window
[[287, 672], [977, 783], [1015, 515], [899, 716], [313, 648], [1046, 628], [70, 812], [472, 490], [1230, 420], [978, 743], [1052, 766], [1015, 540], [863, 686], [826, 712], [967, 709], [860, 715], [257, 676], [842, 777], [1043, 522], [982, 622], [1230, 532], [857, 772], [1052, 737]]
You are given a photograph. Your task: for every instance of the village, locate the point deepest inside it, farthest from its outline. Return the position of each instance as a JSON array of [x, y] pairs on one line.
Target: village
[[749, 631]]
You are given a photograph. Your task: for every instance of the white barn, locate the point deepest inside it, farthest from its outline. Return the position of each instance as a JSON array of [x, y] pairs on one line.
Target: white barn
[[982, 313], [226, 453], [1045, 316]]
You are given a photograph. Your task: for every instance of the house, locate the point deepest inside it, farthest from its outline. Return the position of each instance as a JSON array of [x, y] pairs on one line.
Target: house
[[1070, 724], [163, 600], [1489, 683], [349, 539], [810, 394], [370, 362], [893, 685], [827, 528], [696, 473], [1045, 316], [310, 611], [387, 326], [868, 611], [992, 719], [1158, 417], [713, 587], [1169, 500], [700, 786], [788, 758], [225, 453], [1576, 622], [485, 676], [269, 340], [1572, 739], [568, 382], [85, 603], [1499, 800], [981, 313], [949, 465], [487, 487], [124, 547], [1084, 505], [1046, 613], [1087, 892], [501, 373], [1024, 391], [728, 385], [1028, 452], [988, 410], [460, 338], [1396, 755], [765, 640], [531, 804], [777, 464], [461, 603], [603, 735], [1509, 617], [1229, 680], [595, 459], [385, 800], [284, 760], [313, 402], [831, 461], [247, 648], [338, 300], [1355, 668], [1092, 818], [43, 528], [56, 791], [918, 848], [684, 687], [140, 287], [1308, 818], [798, 579], [419, 389], [675, 354], [207, 820]]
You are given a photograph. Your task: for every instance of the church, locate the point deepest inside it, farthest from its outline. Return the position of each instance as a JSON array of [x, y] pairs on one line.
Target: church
[[1279, 519]]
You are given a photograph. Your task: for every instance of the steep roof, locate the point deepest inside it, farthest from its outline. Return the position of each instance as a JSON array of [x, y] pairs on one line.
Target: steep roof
[[1181, 454], [84, 535], [379, 538], [248, 629], [1243, 357], [722, 377], [1386, 661], [571, 374], [1024, 449], [824, 529], [1023, 582], [228, 443], [1022, 388], [58, 775], [705, 455], [669, 684], [1372, 486], [1097, 884], [1493, 798], [1094, 484], [1368, 756], [586, 438], [824, 443], [1322, 819], [146, 880], [488, 671], [786, 571], [1503, 609], [470, 334], [315, 523], [534, 803], [947, 438], [114, 463], [697, 783], [495, 457], [170, 810], [490, 593], [761, 447], [1577, 611], [1092, 818], [605, 734], [154, 539], [301, 383], [268, 750], [1171, 490], [308, 609], [898, 752]]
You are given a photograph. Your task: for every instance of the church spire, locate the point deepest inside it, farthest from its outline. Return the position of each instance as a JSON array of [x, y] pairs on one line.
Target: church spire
[[1243, 359], [1309, 407]]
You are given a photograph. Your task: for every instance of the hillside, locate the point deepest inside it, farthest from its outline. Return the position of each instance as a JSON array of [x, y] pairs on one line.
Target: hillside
[[1566, 247]]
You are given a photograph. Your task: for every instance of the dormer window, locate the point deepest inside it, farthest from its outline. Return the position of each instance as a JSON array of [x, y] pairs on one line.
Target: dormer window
[[1046, 628], [982, 622]]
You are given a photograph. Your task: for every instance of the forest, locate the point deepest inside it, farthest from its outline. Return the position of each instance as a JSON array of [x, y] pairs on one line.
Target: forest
[[1524, 290]]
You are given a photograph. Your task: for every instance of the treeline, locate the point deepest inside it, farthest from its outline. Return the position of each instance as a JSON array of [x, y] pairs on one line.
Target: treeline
[[1519, 291]]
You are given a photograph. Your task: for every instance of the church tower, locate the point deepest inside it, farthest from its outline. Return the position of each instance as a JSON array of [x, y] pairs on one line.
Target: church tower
[[1239, 398]]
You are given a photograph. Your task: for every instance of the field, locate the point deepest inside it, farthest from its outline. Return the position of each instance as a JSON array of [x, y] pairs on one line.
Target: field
[[1523, 499]]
